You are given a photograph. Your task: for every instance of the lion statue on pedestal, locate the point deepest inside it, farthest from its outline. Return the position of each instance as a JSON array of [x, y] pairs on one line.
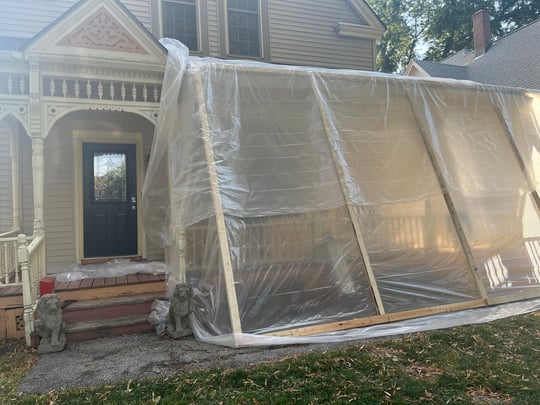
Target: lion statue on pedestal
[[178, 317], [49, 324]]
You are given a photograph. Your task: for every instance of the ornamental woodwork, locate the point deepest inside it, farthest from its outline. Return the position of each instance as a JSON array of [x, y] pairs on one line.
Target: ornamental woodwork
[[102, 31]]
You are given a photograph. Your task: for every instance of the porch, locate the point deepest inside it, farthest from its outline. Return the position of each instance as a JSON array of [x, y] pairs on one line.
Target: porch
[[92, 306]]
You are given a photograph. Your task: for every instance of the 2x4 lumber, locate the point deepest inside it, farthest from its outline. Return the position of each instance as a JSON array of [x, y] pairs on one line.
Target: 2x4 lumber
[[356, 225], [234, 312], [373, 320], [449, 203]]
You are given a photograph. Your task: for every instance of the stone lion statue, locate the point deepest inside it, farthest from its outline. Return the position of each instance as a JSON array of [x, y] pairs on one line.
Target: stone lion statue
[[178, 317], [49, 324]]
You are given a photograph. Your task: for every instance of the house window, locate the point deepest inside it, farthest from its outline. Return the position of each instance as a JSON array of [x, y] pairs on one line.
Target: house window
[[243, 18], [180, 22]]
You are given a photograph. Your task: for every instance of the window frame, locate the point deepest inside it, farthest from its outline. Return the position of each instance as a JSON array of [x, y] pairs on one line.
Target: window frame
[[198, 22], [261, 18]]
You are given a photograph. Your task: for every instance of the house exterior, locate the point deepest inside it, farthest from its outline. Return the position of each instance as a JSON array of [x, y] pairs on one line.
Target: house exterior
[[513, 60], [80, 85]]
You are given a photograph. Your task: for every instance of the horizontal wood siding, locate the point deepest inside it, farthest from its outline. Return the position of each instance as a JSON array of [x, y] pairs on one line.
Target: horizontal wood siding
[[5, 179], [58, 202], [141, 10], [213, 28], [24, 19], [303, 32]]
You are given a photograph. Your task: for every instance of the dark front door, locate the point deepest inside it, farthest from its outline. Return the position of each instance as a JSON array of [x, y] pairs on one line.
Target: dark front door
[[109, 200]]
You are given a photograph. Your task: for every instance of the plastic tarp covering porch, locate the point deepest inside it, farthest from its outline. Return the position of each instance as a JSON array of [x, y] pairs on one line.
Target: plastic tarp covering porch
[[304, 201]]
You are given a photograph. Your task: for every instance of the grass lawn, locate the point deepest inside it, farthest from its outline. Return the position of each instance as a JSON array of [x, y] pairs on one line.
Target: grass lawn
[[495, 363]]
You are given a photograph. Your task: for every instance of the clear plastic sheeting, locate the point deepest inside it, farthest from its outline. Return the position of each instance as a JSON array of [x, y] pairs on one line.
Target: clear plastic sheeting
[[112, 268], [301, 202], [421, 324]]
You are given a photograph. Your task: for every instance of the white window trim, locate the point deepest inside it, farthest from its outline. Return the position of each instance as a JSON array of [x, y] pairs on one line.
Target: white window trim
[[261, 34], [199, 22]]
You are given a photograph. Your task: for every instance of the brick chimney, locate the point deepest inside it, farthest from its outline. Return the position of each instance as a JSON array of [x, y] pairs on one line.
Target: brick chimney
[[481, 32]]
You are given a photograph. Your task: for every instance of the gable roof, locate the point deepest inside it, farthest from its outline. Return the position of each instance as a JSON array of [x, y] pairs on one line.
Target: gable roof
[[78, 33], [513, 60]]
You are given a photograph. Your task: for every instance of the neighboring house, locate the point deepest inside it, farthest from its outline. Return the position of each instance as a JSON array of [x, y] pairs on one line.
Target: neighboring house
[[80, 86], [513, 60]]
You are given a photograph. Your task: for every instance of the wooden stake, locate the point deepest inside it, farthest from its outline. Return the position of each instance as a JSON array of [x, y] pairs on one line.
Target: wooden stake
[[449, 203], [346, 196], [234, 312]]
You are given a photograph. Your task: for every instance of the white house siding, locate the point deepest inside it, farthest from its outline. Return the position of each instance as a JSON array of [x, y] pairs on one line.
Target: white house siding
[[5, 179], [303, 32], [59, 200], [16, 20]]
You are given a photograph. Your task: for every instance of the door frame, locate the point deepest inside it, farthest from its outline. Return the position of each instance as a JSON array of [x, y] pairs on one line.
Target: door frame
[[112, 137]]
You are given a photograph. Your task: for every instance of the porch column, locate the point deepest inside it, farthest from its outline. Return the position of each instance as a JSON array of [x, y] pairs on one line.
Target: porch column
[[15, 183], [38, 183]]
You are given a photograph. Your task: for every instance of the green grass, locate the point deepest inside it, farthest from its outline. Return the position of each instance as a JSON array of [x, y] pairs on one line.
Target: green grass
[[496, 363]]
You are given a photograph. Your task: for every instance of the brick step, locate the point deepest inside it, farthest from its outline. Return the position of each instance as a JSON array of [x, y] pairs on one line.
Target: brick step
[[93, 310], [106, 292], [86, 330]]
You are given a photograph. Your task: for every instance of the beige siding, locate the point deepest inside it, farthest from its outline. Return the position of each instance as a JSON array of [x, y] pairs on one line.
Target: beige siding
[[213, 28], [303, 32], [5, 179], [141, 10], [59, 204], [24, 19]]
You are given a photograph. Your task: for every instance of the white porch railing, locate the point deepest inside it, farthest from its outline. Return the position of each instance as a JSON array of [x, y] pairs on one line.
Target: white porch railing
[[32, 266], [10, 273]]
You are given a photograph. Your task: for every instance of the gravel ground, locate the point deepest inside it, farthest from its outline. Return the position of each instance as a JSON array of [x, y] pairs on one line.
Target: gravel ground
[[116, 359]]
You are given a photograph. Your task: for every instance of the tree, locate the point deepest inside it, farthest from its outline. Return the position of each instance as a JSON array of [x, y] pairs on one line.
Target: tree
[[438, 28]]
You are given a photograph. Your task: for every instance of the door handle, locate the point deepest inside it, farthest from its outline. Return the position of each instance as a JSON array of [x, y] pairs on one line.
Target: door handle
[[133, 200], [133, 207]]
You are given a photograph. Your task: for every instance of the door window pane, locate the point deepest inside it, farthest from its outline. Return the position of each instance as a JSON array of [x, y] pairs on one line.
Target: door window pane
[[180, 22], [243, 20], [110, 177]]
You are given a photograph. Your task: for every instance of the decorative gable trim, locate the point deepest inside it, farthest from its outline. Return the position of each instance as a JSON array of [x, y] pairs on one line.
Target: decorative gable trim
[[102, 31], [97, 33]]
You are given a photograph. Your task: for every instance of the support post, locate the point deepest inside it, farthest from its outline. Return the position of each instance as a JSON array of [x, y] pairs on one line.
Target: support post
[[28, 315], [449, 202], [181, 253], [38, 183], [15, 183], [224, 248], [347, 197]]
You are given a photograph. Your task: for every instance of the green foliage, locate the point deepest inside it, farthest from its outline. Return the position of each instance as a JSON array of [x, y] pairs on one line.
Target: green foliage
[[488, 363], [442, 27]]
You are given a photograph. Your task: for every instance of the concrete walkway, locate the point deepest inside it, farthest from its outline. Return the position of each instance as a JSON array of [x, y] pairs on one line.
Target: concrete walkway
[[116, 359]]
